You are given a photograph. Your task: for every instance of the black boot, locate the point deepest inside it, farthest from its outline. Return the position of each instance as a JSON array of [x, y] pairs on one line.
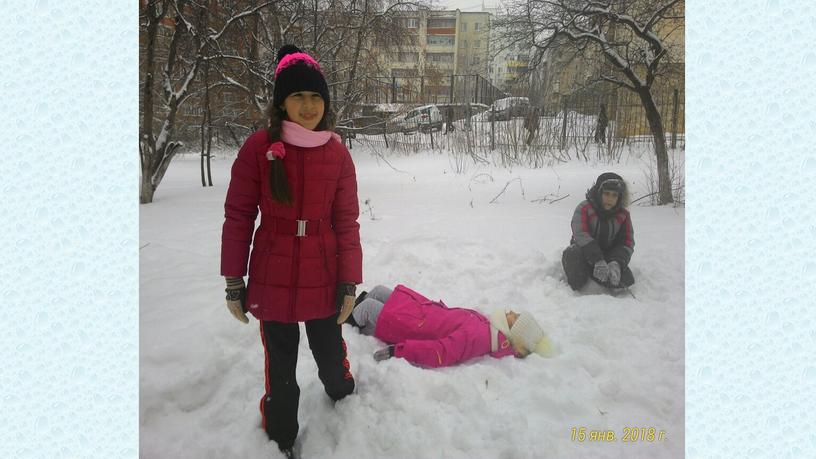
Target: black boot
[[359, 300], [288, 453]]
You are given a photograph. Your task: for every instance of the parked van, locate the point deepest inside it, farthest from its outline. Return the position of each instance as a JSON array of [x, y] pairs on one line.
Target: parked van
[[423, 119], [509, 107]]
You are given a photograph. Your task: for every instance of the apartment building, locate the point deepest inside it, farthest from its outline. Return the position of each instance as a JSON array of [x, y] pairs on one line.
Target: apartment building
[[443, 43], [509, 67], [473, 43]]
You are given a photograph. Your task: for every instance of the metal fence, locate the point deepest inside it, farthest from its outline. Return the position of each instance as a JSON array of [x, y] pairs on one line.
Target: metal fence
[[567, 123], [441, 89]]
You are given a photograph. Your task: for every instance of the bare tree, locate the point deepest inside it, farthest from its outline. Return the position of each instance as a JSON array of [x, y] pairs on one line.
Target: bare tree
[[259, 36], [199, 48], [343, 35], [350, 39], [627, 33], [166, 26]]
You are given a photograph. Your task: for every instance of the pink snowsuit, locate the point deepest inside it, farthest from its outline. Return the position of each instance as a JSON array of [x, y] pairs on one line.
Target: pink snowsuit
[[429, 334]]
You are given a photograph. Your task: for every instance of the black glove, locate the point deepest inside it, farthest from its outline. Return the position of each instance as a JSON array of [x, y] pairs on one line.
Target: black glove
[[236, 298], [344, 300], [384, 353]]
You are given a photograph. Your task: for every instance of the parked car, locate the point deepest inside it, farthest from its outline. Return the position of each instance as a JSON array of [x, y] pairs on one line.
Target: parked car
[[370, 125], [423, 119], [473, 122], [509, 107], [458, 111]]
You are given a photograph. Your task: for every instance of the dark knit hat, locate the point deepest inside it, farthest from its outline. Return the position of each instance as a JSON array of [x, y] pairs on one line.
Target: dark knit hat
[[610, 181], [298, 71]]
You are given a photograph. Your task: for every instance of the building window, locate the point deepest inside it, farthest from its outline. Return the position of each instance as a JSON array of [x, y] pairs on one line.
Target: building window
[[440, 23], [410, 23], [228, 98], [477, 26], [463, 44], [477, 44], [476, 60], [403, 72], [408, 57], [440, 57], [193, 110], [440, 40], [463, 27]]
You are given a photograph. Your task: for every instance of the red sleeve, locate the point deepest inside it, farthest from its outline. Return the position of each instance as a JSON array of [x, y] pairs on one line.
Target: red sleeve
[[241, 209], [625, 245], [581, 233], [345, 211]]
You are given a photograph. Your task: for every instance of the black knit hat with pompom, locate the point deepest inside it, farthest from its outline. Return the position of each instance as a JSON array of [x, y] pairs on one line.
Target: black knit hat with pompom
[[299, 72]]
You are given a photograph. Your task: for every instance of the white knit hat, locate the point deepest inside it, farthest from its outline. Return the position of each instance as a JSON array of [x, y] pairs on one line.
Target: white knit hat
[[527, 333]]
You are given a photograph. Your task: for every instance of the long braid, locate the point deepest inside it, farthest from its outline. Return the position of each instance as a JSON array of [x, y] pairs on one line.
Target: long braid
[[278, 183]]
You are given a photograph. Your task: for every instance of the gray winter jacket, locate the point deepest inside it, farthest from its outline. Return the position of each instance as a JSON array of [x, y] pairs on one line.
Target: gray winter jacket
[[609, 238]]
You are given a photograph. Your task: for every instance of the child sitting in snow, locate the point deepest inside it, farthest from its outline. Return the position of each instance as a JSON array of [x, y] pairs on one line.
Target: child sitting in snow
[[429, 334], [602, 236]]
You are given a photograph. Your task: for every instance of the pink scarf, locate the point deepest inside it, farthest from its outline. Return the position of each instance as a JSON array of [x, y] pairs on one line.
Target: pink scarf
[[295, 134]]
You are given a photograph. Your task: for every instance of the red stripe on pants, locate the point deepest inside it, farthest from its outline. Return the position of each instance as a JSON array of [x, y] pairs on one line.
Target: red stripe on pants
[[266, 376]]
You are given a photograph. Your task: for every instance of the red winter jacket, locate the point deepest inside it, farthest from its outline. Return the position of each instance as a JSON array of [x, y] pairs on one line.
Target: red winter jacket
[[293, 279]]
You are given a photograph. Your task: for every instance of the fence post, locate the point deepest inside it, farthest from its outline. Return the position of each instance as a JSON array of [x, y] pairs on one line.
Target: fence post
[[614, 114], [393, 89], [451, 89], [674, 121], [493, 128], [478, 89], [609, 130], [564, 123], [422, 89]]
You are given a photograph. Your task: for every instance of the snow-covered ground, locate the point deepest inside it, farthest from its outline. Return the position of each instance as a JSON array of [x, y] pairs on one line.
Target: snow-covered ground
[[620, 360]]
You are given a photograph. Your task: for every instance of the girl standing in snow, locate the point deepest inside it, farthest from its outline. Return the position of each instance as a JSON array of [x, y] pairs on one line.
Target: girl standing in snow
[[430, 334], [306, 257], [603, 239]]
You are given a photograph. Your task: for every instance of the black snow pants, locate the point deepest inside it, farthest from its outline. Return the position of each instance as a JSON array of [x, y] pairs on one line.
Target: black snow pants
[[578, 270], [279, 406]]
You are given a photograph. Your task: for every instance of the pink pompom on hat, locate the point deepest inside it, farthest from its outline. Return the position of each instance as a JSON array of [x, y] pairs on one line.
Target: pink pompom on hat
[[293, 58]]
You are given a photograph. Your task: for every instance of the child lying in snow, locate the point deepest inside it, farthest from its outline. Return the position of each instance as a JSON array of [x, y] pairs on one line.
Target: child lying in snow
[[430, 334]]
